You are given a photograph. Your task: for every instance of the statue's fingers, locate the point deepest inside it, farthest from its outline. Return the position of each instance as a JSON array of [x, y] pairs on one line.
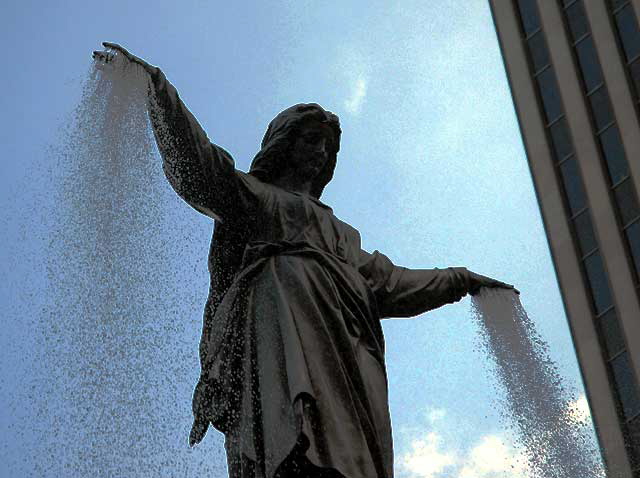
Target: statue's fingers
[[513, 288], [129, 56], [504, 285], [122, 50], [115, 46], [102, 58]]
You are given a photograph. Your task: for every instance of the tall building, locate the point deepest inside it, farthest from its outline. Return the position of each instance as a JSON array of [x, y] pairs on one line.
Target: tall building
[[574, 71]]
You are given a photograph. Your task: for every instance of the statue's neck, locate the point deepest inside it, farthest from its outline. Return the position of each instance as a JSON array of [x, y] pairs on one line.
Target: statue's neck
[[292, 182]]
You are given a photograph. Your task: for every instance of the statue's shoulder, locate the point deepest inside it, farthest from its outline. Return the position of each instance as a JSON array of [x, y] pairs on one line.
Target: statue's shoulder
[[252, 186], [264, 191], [251, 181]]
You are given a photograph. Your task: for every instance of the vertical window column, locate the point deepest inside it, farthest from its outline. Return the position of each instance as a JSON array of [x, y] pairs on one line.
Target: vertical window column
[[605, 129], [625, 23], [624, 199]]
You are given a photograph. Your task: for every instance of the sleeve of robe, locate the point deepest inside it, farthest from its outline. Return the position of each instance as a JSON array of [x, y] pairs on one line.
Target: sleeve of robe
[[202, 173], [403, 292]]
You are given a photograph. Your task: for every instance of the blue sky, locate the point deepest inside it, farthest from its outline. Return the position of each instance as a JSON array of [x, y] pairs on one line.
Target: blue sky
[[431, 171]]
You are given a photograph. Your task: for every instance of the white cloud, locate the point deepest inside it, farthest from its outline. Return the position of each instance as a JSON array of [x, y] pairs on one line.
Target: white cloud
[[353, 104], [579, 410], [436, 453], [427, 460], [492, 458]]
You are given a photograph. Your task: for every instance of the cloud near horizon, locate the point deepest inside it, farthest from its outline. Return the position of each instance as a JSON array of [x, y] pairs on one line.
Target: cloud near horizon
[[491, 457]]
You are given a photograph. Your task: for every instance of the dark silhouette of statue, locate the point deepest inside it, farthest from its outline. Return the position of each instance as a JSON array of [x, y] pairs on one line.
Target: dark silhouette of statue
[[292, 350]]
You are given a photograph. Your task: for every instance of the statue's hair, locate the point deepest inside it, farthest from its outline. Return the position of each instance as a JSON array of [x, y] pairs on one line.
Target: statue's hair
[[282, 132]]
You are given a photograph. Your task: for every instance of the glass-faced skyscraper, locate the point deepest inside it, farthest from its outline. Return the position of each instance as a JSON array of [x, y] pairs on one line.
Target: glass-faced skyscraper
[[574, 72]]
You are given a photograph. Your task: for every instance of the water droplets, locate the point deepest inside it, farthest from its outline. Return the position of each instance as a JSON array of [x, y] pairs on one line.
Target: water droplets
[[557, 440]]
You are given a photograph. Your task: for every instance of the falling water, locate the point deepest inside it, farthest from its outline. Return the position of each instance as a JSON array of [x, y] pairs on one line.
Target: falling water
[[557, 442], [116, 357]]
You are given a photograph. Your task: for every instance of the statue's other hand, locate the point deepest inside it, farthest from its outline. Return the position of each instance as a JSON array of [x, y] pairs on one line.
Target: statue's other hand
[[198, 431], [478, 281], [114, 53]]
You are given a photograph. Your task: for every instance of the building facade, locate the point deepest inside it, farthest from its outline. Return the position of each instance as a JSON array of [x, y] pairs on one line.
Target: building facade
[[574, 71]]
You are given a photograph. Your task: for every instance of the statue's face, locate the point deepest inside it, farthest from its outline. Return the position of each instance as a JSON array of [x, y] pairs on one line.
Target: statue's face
[[312, 148]]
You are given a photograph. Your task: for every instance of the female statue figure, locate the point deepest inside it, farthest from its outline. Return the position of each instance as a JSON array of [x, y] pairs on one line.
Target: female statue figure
[[292, 350]]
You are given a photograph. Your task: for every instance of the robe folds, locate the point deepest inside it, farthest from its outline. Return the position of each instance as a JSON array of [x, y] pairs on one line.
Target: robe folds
[[292, 349]]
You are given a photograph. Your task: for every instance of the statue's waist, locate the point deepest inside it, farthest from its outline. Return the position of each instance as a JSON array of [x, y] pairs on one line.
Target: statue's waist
[[258, 250]]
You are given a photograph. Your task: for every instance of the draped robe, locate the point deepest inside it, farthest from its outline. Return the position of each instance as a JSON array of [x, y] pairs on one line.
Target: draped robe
[[292, 349]]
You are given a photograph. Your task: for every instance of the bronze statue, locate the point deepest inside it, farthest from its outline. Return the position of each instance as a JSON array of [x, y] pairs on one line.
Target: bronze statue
[[292, 350]]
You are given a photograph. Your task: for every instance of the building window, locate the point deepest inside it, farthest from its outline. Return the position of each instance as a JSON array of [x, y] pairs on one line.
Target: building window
[[550, 94], [597, 277], [560, 139], [613, 151], [610, 333], [625, 24], [538, 51], [601, 108], [634, 73], [623, 375], [628, 201], [589, 65], [578, 26], [632, 231], [528, 16], [573, 187], [584, 232], [633, 438], [618, 3]]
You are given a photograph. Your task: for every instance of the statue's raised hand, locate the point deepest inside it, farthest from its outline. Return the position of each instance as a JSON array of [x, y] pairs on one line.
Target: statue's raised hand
[[478, 281], [114, 54]]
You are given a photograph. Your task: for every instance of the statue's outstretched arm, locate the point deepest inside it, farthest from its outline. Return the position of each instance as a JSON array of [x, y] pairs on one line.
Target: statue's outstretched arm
[[403, 292], [202, 173]]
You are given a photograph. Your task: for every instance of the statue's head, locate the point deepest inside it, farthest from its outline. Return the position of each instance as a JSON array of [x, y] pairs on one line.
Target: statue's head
[[287, 136]]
